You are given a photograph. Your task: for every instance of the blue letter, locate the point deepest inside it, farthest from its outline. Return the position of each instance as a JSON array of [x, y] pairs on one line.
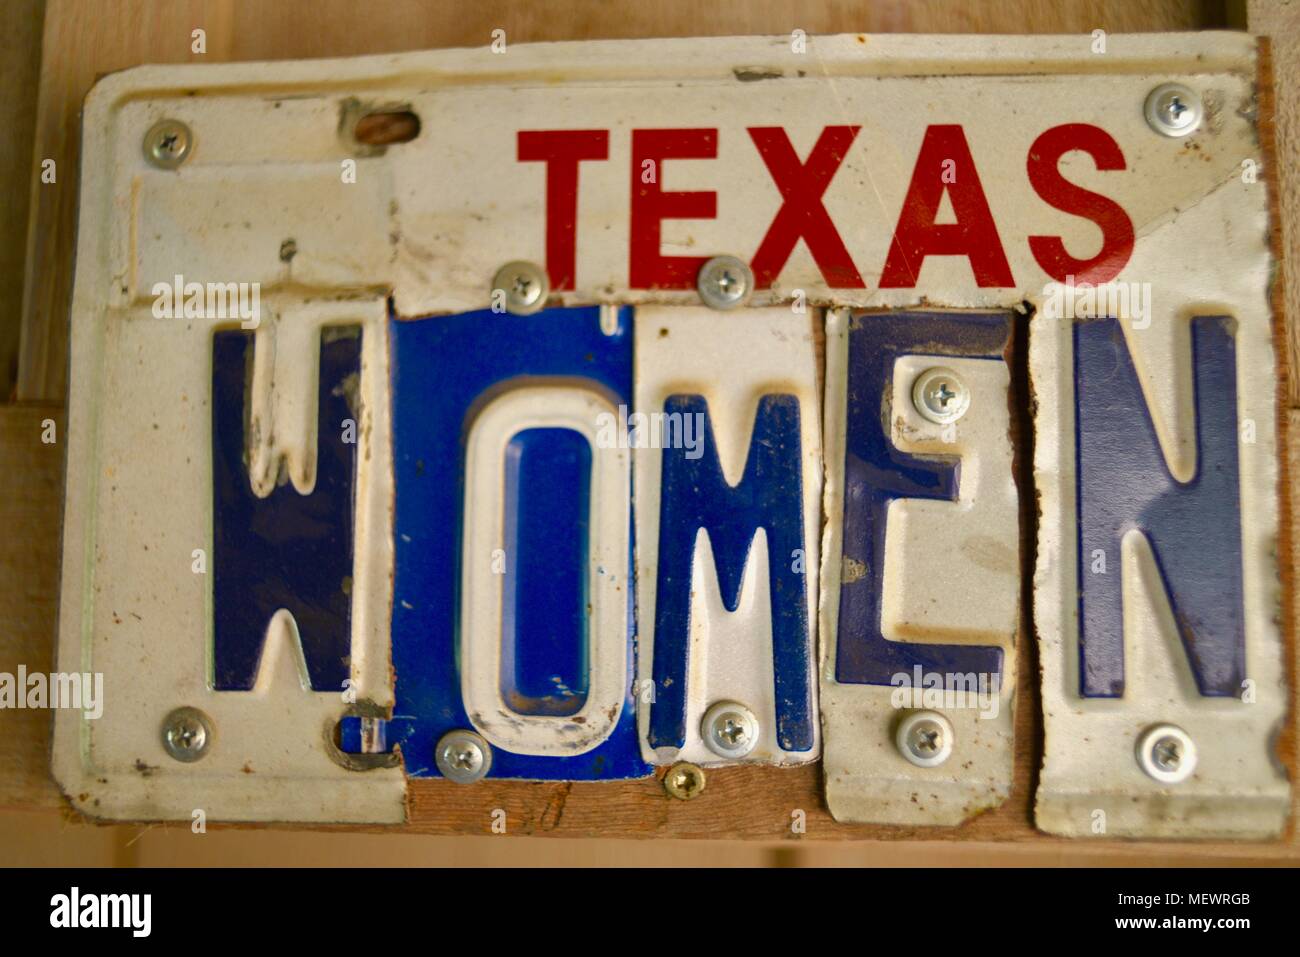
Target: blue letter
[[287, 550], [695, 495], [1194, 528], [876, 473]]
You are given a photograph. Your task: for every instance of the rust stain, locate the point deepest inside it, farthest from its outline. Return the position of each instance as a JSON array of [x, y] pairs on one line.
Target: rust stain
[[1286, 743], [385, 129], [553, 812]]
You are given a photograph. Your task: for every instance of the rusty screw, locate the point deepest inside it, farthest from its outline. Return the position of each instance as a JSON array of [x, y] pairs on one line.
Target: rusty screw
[[684, 780], [168, 143], [187, 734]]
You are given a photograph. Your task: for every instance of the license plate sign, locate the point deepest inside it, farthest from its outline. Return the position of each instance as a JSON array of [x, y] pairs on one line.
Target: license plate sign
[[747, 402]]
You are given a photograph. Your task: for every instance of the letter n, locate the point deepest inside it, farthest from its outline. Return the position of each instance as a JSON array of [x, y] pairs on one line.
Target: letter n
[[1194, 527]]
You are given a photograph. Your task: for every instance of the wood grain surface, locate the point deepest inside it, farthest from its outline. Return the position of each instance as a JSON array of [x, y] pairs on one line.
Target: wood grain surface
[[85, 39], [1280, 19], [20, 61], [31, 491]]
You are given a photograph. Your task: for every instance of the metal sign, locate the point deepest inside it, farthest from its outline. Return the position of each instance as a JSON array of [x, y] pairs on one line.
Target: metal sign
[[594, 408]]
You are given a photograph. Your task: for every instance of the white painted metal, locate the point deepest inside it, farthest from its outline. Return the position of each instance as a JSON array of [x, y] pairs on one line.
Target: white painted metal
[[1208, 257], [429, 223], [135, 610], [696, 350], [952, 575]]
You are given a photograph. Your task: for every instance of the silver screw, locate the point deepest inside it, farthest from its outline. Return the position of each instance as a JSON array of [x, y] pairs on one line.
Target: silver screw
[[168, 143], [925, 738], [463, 756], [1166, 753], [724, 282], [187, 734], [730, 729], [684, 780], [1173, 109], [524, 285], [940, 395]]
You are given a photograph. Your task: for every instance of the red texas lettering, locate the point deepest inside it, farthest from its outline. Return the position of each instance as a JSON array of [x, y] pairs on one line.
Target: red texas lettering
[[562, 151], [647, 267], [943, 165], [802, 214], [1116, 227]]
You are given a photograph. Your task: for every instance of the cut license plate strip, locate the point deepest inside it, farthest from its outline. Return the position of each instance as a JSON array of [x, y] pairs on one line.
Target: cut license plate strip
[[346, 514], [1156, 601], [897, 502]]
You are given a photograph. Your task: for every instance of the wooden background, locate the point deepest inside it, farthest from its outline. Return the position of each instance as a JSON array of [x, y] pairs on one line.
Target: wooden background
[[52, 51]]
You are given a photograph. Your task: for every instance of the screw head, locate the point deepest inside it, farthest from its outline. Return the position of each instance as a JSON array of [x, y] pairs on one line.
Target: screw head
[[1173, 109], [684, 780], [463, 756], [168, 143], [724, 282], [729, 729], [187, 734], [1166, 753], [940, 395], [524, 285], [925, 738]]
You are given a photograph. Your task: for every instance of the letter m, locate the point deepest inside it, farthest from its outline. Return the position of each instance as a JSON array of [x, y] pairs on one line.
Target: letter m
[[1194, 527], [695, 495], [286, 550]]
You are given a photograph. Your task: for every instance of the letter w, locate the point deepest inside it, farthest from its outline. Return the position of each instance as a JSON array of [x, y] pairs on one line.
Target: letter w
[[287, 550]]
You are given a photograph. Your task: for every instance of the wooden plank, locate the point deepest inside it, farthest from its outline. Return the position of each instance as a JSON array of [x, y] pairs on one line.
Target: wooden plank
[[20, 57], [1281, 23], [34, 839], [31, 492], [175, 845], [85, 39]]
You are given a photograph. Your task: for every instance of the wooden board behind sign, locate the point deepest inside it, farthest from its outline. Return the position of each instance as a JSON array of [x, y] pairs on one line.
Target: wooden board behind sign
[[84, 40]]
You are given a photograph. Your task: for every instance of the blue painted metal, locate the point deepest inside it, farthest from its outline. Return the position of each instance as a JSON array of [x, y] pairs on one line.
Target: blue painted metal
[[444, 369], [287, 550], [350, 734], [350, 737], [876, 473], [694, 495], [1123, 483], [547, 521]]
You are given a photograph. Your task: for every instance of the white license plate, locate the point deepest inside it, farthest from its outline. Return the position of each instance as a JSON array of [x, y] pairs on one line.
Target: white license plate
[[562, 412]]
